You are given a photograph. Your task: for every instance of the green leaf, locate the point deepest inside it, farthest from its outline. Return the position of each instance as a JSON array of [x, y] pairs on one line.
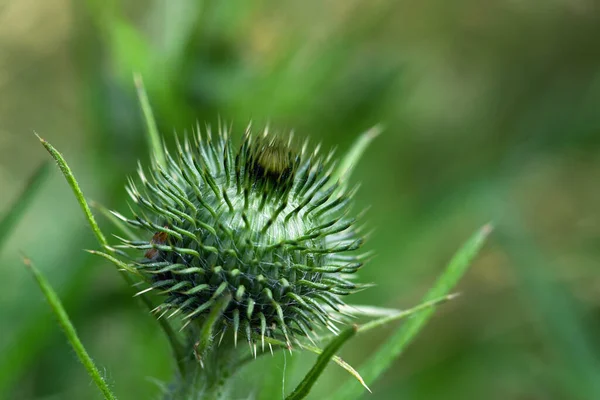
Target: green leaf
[[18, 207], [390, 315], [68, 174], [310, 379], [151, 128], [62, 164], [385, 355], [386, 316], [344, 170], [69, 329]]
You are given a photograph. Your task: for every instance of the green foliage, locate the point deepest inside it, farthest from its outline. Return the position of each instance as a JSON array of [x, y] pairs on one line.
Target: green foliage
[[309, 380], [293, 183], [151, 128], [66, 171], [65, 323], [344, 170], [390, 350], [470, 135], [18, 208]]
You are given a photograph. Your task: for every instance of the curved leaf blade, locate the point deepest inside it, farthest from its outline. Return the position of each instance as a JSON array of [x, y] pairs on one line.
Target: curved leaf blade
[[385, 355], [151, 127], [68, 174], [315, 372], [69, 329]]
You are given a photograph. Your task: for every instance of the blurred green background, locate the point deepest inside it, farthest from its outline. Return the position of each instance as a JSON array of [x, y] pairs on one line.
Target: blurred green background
[[492, 113]]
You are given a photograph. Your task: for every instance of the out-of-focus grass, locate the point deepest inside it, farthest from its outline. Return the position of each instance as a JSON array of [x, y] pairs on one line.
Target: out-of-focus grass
[[490, 111]]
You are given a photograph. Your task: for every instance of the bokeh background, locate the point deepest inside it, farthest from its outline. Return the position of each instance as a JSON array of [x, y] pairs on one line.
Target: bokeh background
[[492, 113]]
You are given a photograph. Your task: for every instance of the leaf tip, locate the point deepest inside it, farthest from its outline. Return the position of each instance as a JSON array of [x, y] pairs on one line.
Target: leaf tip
[[39, 137], [27, 261], [453, 296], [487, 229], [374, 131], [137, 80]]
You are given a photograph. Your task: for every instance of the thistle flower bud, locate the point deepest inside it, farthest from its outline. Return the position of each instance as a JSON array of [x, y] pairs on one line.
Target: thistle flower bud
[[267, 225]]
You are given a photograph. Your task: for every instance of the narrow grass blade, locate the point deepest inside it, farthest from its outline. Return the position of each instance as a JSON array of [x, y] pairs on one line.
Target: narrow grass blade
[[151, 128], [18, 207], [406, 313], [69, 329], [102, 240], [344, 170], [390, 315], [309, 380], [385, 355], [64, 168], [387, 316], [368, 311]]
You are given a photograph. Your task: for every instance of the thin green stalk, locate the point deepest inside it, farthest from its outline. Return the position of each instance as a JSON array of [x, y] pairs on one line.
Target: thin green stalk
[[62, 164], [16, 211], [310, 379], [406, 313], [152, 129], [69, 329], [344, 170], [390, 350], [400, 314]]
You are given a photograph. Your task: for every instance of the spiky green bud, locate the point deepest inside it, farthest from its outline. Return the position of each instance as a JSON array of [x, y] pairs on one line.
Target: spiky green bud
[[266, 225]]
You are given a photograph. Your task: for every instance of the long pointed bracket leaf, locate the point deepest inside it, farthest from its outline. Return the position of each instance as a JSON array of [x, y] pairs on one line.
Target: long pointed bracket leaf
[[62, 164], [68, 174], [67, 326], [344, 170], [328, 353], [386, 354], [151, 127], [386, 316]]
